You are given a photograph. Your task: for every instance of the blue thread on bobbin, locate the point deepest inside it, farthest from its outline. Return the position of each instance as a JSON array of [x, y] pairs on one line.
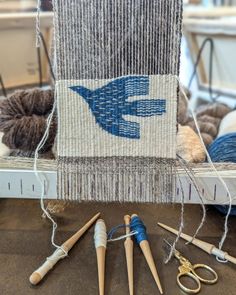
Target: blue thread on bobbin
[[137, 225]]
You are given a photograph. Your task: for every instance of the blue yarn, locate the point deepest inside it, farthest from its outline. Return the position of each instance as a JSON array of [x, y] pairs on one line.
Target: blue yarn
[[138, 226], [115, 229], [224, 209], [223, 149], [110, 104]]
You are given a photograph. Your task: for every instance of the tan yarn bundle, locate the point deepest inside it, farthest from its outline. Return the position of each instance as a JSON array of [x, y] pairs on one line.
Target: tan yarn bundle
[[189, 146]]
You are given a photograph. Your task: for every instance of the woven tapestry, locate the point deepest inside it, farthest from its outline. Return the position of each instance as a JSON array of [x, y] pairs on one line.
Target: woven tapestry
[[117, 90]]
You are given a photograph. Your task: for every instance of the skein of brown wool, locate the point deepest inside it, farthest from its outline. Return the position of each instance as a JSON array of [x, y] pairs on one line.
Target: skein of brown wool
[[205, 127], [209, 117], [23, 119], [208, 126], [183, 107], [207, 138], [216, 110], [30, 154]]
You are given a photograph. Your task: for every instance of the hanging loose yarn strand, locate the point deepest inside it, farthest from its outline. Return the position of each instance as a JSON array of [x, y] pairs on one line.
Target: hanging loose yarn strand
[[181, 225], [42, 180], [191, 176], [221, 243], [39, 175], [37, 24]]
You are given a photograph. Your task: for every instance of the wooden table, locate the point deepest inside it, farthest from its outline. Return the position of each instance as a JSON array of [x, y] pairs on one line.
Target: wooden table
[[25, 243]]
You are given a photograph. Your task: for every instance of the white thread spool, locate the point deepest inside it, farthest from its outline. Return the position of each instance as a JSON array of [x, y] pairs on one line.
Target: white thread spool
[[228, 124], [100, 234], [4, 150], [100, 241]]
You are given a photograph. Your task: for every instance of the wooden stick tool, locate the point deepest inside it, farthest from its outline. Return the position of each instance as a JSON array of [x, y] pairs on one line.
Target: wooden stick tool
[[207, 247], [60, 253], [129, 248], [100, 240], [145, 247]]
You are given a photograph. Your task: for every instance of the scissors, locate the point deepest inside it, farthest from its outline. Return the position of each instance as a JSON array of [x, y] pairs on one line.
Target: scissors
[[189, 270]]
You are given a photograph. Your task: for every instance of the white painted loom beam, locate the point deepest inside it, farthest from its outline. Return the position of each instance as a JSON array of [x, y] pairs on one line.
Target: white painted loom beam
[[24, 184]]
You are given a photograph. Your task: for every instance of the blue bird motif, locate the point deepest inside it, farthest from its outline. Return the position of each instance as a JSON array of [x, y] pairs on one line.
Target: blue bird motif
[[110, 103]]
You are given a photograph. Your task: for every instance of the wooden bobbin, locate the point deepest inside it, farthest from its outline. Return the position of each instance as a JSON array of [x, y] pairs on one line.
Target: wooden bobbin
[[129, 248], [100, 239], [38, 275], [207, 247], [145, 247]]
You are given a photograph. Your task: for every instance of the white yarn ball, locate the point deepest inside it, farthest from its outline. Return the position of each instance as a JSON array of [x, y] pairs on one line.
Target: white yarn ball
[[228, 124], [4, 150]]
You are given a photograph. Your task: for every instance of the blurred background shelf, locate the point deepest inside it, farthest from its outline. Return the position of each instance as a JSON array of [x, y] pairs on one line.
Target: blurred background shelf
[[218, 25], [19, 62]]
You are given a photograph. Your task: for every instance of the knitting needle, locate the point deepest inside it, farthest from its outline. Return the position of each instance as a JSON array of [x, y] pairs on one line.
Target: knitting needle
[[145, 247], [207, 247], [100, 239], [129, 255], [38, 275]]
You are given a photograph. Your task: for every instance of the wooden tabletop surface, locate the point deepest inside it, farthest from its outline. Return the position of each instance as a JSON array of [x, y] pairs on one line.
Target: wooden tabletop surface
[[25, 243]]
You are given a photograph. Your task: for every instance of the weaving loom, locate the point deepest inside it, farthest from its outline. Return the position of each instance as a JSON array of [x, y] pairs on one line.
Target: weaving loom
[[117, 98], [117, 89]]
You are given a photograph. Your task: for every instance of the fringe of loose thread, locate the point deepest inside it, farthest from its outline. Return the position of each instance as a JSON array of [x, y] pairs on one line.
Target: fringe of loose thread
[[123, 179]]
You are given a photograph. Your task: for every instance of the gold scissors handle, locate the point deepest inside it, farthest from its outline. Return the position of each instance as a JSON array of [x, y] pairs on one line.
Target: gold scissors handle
[[185, 271], [188, 270], [209, 269]]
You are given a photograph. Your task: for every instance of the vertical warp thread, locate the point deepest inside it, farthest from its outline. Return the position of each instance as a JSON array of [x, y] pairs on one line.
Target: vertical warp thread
[[181, 225]]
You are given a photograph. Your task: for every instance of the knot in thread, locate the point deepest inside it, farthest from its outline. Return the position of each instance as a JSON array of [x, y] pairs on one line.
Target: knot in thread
[[137, 225], [100, 234]]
